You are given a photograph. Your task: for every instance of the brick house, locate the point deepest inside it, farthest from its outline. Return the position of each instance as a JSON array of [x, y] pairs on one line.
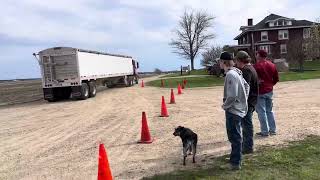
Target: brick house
[[272, 34]]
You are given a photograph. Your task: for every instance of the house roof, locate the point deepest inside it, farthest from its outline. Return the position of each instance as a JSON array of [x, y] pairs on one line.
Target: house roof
[[263, 25]]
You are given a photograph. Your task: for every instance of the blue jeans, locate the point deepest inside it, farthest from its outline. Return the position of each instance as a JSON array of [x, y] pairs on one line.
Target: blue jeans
[[265, 114], [233, 124], [247, 130]]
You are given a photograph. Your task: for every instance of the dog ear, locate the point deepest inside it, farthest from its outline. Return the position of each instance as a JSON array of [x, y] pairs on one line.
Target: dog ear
[[180, 128]]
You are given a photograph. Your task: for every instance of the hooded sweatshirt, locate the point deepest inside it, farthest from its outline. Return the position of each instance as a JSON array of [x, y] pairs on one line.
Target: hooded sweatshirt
[[236, 92]]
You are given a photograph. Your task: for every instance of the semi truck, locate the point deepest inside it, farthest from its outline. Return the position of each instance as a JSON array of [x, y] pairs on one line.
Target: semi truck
[[75, 73]]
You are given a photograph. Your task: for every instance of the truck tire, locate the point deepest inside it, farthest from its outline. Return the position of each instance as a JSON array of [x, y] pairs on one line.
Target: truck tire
[[92, 89], [52, 99], [84, 91], [50, 95], [126, 81], [111, 85]]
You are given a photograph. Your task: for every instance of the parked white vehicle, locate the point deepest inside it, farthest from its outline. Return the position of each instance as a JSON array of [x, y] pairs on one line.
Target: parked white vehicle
[[76, 72]]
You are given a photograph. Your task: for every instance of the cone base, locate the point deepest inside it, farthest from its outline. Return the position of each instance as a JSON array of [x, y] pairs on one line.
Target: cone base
[[172, 103], [164, 116], [145, 142]]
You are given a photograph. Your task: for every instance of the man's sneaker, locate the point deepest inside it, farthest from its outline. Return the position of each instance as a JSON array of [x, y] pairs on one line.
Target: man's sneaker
[[235, 167], [262, 134], [250, 151], [230, 167], [272, 133]]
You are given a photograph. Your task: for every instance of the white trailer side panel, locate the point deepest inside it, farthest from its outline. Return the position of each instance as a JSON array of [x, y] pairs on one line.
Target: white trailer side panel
[[93, 65]]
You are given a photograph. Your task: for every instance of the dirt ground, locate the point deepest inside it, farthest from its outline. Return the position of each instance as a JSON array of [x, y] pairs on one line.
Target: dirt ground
[[14, 92], [41, 140]]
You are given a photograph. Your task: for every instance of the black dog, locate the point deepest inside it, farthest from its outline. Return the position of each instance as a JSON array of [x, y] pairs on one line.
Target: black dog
[[189, 141]]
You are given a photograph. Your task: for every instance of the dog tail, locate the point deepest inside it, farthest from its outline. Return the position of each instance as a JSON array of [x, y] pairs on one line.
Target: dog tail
[[196, 139]]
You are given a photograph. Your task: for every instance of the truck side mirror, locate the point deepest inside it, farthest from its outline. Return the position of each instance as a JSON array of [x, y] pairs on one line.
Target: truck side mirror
[[137, 65]]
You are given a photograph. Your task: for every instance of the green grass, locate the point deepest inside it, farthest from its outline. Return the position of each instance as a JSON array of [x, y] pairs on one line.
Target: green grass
[[300, 160], [208, 81], [294, 76], [205, 81], [315, 64], [193, 72]]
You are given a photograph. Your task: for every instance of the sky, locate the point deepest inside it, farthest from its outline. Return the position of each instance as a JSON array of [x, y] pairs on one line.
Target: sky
[[139, 28]]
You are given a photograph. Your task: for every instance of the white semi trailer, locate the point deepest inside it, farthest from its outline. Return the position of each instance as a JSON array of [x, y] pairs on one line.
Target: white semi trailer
[[71, 72]]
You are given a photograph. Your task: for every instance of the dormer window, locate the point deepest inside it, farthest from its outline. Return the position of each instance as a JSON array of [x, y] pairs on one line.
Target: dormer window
[[271, 24], [264, 35], [279, 23]]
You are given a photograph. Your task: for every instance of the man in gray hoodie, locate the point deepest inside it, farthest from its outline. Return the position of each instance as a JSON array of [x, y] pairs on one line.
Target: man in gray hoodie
[[236, 91]]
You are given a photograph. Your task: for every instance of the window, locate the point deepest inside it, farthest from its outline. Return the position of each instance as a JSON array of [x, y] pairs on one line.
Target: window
[[283, 34], [279, 23], [266, 48], [283, 48], [271, 24], [304, 47], [287, 23], [244, 40], [264, 35], [306, 33]]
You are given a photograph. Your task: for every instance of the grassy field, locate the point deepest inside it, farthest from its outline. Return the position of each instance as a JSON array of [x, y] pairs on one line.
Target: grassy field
[[300, 160], [208, 81], [205, 81], [315, 64], [171, 80], [194, 72], [294, 76]]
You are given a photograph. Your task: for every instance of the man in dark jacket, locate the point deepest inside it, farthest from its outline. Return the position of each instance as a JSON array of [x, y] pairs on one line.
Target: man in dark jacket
[[268, 77], [250, 75]]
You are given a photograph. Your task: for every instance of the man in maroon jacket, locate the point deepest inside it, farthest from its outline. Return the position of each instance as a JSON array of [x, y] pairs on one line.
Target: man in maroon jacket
[[268, 77]]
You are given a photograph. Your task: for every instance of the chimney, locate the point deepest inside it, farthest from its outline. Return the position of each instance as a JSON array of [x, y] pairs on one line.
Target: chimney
[[250, 22]]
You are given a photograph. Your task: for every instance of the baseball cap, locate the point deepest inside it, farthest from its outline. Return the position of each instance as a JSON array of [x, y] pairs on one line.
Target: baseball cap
[[242, 55], [226, 56], [262, 53]]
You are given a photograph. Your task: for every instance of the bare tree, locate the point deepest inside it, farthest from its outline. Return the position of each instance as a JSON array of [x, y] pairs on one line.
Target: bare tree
[[192, 35], [295, 53], [209, 57], [312, 44], [157, 71]]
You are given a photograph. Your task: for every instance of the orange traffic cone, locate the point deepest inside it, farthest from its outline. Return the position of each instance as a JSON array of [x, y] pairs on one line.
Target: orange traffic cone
[[172, 99], [162, 83], [179, 89], [184, 82], [142, 83], [145, 134], [104, 172], [164, 112]]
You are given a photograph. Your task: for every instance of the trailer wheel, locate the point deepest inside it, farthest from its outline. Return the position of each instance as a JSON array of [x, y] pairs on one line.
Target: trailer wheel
[[92, 89], [110, 85], [52, 100], [126, 81], [84, 91]]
